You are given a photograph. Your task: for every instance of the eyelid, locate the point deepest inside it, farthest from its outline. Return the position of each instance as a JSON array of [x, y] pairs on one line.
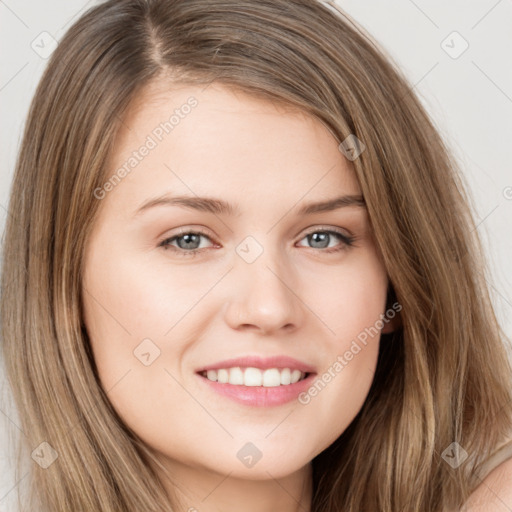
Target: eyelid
[[194, 232], [320, 227], [193, 229]]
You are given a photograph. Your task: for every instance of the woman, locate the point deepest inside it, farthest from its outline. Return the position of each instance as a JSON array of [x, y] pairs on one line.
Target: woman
[[239, 270]]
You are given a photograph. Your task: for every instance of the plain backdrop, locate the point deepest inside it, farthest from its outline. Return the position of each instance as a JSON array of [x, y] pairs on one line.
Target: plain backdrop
[[456, 55]]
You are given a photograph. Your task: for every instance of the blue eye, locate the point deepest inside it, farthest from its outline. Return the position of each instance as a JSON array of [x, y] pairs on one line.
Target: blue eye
[[323, 240], [189, 243]]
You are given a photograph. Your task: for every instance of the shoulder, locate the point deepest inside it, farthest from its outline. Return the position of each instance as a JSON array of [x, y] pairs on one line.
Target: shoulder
[[494, 492]]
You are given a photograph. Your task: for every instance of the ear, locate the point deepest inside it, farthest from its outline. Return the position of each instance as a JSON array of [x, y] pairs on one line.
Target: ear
[[393, 317], [392, 324]]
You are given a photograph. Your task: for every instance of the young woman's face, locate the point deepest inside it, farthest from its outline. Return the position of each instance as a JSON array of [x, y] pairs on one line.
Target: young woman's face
[[242, 265]]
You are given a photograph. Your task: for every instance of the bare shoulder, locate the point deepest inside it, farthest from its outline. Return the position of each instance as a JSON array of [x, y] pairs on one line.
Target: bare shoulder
[[494, 494]]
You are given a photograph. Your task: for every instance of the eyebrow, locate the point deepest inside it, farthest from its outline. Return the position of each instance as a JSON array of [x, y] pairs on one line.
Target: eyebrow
[[220, 207]]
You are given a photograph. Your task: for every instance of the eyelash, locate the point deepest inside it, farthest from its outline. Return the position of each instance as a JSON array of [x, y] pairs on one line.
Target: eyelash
[[347, 241]]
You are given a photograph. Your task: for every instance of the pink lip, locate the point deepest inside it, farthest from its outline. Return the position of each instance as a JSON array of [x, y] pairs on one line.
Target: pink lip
[[261, 396], [263, 363]]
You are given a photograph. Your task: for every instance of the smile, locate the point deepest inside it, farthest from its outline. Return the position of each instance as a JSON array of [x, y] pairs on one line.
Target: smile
[[252, 377], [257, 388]]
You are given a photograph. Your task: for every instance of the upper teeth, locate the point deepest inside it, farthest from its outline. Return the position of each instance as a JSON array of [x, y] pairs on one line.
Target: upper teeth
[[255, 377]]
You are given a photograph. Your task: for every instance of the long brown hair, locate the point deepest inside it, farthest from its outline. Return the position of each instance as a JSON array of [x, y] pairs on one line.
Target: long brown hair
[[442, 377]]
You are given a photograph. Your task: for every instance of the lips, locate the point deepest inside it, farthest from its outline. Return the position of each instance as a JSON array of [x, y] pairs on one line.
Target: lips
[[263, 363], [258, 396]]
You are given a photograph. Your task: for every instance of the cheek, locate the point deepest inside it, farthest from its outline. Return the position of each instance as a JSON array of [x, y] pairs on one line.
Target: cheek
[[134, 298], [122, 307], [128, 309], [351, 307], [132, 308], [348, 298]]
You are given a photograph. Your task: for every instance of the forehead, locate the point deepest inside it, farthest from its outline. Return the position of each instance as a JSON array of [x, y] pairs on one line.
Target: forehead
[[220, 141]]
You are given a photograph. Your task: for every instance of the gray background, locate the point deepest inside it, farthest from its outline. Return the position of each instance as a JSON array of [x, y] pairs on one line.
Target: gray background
[[469, 97]]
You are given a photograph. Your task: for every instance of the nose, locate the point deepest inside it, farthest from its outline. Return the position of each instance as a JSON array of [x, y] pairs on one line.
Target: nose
[[263, 297]]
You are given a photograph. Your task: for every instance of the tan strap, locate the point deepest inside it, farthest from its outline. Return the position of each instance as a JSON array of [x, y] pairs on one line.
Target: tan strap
[[503, 453]]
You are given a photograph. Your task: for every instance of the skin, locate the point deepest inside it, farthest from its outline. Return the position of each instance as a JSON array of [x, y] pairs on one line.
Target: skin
[[294, 299]]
